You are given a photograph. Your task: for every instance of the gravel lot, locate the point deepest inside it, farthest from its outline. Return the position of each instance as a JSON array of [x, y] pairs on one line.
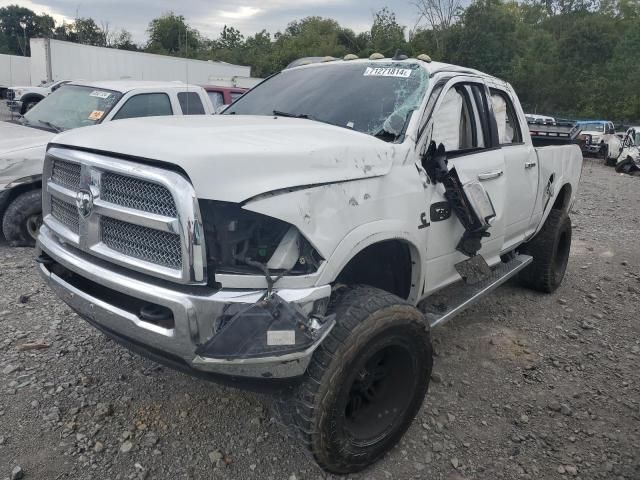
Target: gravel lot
[[5, 114], [525, 385]]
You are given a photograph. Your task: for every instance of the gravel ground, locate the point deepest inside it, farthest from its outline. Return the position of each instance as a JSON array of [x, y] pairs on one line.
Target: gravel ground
[[5, 114], [525, 385]]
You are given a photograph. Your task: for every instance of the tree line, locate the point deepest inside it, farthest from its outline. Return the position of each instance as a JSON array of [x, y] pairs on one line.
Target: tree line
[[568, 58]]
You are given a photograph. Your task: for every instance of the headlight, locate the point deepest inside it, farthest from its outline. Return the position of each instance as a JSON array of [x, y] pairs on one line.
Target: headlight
[[18, 93], [595, 139], [239, 241]]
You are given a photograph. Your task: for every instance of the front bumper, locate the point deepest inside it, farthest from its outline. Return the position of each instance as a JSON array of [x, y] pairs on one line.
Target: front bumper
[[110, 298]]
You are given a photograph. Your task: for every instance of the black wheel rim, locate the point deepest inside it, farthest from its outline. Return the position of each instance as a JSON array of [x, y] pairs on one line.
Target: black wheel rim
[[380, 394]]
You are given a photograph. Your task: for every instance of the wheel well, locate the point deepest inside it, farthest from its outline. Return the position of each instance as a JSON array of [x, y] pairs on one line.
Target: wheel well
[[385, 265], [563, 198], [31, 96], [19, 190]]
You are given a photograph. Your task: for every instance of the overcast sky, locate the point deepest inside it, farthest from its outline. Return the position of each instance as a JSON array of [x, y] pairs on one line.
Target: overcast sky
[[208, 16]]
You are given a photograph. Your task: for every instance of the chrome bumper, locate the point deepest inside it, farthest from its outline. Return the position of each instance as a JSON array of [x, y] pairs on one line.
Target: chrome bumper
[[194, 312]]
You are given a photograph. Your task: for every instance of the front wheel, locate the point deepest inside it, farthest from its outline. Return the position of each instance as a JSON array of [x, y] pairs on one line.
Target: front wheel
[[365, 383], [550, 250], [22, 219]]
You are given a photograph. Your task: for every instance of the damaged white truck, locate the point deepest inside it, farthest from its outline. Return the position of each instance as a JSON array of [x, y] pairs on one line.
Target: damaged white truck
[[286, 244]]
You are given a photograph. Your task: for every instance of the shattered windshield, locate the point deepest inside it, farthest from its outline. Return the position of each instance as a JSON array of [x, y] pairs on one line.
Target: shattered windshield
[[72, 106], [373, 98]]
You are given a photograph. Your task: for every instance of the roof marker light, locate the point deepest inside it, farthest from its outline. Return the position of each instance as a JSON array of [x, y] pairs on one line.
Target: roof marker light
[[376, 56], [424, 57], [350, 56]]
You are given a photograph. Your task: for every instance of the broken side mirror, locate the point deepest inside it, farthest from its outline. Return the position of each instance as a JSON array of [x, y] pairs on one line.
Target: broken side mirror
[[434, 162]]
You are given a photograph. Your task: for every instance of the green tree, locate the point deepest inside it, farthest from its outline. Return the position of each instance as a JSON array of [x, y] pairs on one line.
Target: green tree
[[170, 35], [387, 35], [19, 24]]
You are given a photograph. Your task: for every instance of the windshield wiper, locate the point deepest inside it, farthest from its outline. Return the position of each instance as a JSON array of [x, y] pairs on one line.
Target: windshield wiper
[[53, 127], [278, 113]]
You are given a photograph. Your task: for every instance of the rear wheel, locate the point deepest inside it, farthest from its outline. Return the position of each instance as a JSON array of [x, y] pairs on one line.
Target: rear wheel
[[22, 219], [365, 383], [550, 250]]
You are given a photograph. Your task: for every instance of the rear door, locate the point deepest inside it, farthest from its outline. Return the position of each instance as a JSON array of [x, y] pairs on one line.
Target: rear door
[[462, 123], [520, 162]]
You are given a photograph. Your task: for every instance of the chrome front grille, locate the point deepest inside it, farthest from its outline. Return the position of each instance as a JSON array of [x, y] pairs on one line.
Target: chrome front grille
[[11, 95], [66, 213], [66, 174], [147, 244], [137, 194], [141, 217]]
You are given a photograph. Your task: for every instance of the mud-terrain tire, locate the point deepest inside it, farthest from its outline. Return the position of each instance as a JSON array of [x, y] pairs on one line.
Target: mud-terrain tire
[[550, 250], [22, 219], [365, 383]]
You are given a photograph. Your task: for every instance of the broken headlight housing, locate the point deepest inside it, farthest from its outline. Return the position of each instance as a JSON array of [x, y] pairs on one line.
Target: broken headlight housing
[[243, 242]]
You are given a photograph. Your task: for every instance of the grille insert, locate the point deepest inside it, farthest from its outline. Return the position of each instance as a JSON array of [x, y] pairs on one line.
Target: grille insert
[[66, 174], [137, 194], [161, 248], [66, 214]]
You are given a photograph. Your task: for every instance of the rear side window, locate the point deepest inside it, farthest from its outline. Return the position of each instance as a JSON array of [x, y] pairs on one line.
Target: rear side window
[[506, 119], [217, 99], [190, 103], [145, 105]]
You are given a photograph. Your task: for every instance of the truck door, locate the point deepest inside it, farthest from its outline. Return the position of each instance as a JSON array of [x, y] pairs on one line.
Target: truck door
[[462, 123], [521, 169]]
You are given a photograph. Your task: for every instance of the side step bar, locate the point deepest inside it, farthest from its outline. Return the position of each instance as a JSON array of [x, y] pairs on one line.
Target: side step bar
[[464, 296]]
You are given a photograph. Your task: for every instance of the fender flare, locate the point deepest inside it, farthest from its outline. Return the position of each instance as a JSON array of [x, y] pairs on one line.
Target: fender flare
[[369, 234]]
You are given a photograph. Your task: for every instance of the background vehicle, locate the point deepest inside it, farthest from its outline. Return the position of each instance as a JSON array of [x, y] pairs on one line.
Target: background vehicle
[[53, 61], [21, 99], [222, 96], [539, 119], [77, 104], [600, 139], [286, 243], [629, 158]]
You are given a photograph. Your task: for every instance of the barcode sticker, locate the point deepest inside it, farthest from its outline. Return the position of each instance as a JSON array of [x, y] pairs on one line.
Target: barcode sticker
[[387, 72], [100, 94]]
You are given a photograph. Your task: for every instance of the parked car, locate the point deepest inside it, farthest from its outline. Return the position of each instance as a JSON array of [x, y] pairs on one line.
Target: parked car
[[23, 99], [77, 104], [599, 138], [222, 97], [285, 244], [629, 158]]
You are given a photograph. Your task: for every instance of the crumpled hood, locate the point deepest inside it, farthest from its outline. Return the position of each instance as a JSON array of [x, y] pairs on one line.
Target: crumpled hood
[[14, 137], [22, 151], [233, 158]]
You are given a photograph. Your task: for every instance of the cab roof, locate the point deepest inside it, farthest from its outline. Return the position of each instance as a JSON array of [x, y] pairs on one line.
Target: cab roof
[[124, 86]]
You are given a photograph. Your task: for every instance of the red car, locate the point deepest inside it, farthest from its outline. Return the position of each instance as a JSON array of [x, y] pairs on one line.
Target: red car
[[222, 96]]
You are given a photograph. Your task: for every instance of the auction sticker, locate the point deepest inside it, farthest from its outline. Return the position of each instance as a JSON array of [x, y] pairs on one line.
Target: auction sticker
[[100, 94], [96, 115], [281, 337], [387, 72]]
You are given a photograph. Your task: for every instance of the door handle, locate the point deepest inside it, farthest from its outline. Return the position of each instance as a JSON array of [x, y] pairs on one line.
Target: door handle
[[529, 164], [489, 175]]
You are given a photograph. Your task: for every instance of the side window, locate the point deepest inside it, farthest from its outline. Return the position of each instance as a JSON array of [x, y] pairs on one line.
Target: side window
[[506, 119], [190, 103], [459, 123], [217, 99], [235, 96], [145, 105]]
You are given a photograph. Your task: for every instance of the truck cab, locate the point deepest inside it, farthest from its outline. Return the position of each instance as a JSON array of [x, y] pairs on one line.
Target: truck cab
[[75, 104], [599, 138], [297, 242]]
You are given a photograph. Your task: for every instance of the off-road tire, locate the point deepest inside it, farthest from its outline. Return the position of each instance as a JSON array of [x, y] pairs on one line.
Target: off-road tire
[[550, 250], [17, 217], [321, 411]]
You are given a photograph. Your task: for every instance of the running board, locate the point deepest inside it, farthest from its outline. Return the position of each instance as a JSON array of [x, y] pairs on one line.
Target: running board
[[464, 296]]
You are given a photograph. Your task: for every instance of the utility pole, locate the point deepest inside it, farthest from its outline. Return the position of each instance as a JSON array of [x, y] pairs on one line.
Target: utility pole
[[23, 24]]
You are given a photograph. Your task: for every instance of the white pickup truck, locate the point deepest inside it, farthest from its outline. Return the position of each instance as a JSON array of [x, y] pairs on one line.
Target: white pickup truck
[[23, 142], [287, 243], [21, 99]]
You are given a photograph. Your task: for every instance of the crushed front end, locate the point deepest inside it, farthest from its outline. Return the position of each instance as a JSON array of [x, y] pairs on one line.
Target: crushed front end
[[127, 247]]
